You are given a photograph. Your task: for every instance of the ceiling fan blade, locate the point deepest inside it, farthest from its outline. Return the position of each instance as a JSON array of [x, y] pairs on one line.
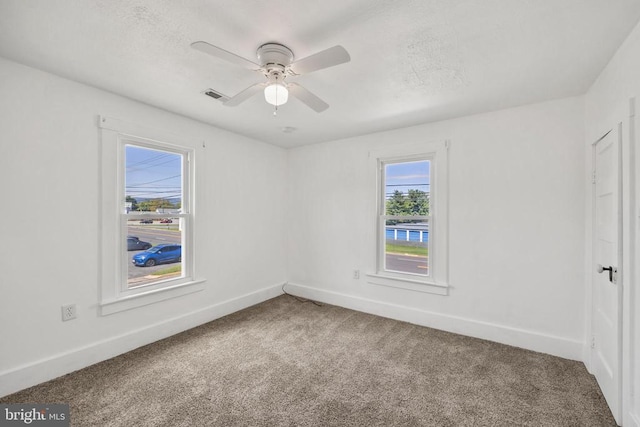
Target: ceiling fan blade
[[223, 54], [327, 58], [244, 95], [307, 97]]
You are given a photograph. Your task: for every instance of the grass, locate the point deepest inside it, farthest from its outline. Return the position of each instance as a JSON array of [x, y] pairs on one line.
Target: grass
[[407, 250], [169, 270], [165, 227]]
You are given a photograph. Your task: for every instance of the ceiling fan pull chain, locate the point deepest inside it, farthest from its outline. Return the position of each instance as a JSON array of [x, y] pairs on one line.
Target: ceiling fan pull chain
[[275, 111]]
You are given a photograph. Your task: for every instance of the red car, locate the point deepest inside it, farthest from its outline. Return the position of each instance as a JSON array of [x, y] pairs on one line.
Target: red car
[[165, 221]]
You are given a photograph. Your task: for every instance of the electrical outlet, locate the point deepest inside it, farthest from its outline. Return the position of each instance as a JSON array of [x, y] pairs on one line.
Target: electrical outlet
[[68, 312], [356, 274]]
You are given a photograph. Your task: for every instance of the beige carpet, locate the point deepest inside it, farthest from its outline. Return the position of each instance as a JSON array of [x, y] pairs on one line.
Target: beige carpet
[[287, 363]]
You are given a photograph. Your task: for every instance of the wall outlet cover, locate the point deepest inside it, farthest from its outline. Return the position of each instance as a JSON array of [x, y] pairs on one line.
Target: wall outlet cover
[[68, 312]]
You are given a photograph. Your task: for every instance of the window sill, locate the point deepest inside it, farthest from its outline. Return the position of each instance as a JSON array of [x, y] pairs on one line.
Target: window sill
[[139, 300], [429, 287]]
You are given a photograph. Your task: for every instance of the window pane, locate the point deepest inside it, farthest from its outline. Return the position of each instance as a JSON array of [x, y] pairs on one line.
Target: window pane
[[407, 188], [153, 180], [156, 249], [407, 246], [153, 184]]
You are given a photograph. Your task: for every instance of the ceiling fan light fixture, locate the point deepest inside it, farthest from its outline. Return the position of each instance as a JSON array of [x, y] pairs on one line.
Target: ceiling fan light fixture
[[276, 94]]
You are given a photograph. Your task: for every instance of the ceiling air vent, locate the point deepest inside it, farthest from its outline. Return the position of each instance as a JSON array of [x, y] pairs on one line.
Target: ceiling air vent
[[216, 95]]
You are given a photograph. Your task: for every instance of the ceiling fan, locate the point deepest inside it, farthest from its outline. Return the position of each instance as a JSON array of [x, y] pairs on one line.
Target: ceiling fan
[[275, 62]]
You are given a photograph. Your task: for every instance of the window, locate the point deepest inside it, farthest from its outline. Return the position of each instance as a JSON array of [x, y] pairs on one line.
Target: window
[[155, 186], [412, 217], [148, 217], [404, 216]]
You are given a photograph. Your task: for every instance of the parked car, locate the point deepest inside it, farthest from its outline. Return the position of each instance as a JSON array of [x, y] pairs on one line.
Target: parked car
[[166, 221], [135, 244], [158, 255], [146, 221]]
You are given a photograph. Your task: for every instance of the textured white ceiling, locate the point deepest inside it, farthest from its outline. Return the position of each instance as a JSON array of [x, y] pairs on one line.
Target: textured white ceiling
[[412, 61]]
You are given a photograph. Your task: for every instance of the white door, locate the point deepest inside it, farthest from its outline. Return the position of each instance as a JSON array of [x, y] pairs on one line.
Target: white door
[[606, 308]]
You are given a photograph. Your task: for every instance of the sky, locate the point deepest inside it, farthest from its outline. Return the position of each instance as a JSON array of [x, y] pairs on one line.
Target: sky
[[407, 176], [152, 173], [157, 174]]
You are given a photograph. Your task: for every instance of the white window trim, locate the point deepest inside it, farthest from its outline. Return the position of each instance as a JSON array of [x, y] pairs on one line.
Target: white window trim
[[438, 280], [114, 296]]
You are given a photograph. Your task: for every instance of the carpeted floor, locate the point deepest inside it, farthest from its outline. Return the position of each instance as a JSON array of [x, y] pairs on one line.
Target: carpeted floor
[[287, 363]]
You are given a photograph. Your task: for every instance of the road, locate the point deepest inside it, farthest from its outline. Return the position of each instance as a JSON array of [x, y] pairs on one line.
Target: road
[[407, 263], [154, 236]]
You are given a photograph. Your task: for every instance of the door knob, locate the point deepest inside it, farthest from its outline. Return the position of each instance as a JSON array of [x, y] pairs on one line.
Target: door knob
[[610, 269]]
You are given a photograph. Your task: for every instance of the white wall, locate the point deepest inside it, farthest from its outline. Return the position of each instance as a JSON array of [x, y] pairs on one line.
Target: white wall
[[49, 231], [516, 227], [607, 103]]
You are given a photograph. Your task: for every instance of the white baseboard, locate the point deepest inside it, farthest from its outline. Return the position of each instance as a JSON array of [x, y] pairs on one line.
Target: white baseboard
[[530, 340], [30, 374], [586, 356]]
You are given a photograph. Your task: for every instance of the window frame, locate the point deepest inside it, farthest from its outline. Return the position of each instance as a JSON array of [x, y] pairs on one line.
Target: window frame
[[437, 279], [115, 294]]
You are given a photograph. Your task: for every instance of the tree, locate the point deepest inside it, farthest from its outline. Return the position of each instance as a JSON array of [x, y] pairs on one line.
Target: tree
[[152, 204], [418, 202], [397, 204], [415, 202]]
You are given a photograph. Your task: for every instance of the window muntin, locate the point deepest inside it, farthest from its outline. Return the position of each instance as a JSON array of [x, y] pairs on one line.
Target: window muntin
[[155, 189], [405, 216]]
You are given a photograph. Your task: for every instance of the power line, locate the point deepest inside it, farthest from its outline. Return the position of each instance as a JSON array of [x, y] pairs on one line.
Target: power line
[[150, 159], [157, 180], [155, 195], [132, 169], [407, 185], [168, 187]]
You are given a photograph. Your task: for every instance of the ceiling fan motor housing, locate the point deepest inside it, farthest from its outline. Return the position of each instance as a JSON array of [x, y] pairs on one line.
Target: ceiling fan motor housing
[[274, 58]]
